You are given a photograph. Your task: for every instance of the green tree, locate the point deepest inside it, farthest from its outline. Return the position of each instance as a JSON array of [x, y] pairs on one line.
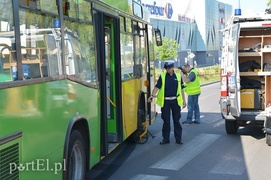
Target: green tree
[[269, 3], [169, 49]]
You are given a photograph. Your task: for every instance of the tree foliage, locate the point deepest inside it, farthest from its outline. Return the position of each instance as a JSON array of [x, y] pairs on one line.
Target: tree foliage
[[169, 49]]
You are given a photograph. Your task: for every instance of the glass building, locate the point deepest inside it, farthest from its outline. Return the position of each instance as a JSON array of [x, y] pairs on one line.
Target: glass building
[[194, 24]]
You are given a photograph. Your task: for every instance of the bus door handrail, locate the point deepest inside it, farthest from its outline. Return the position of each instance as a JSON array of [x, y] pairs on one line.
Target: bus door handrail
[[111, 102]]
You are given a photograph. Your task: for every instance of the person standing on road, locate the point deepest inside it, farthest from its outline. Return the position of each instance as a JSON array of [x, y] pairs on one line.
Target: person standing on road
[[192, 89], [170, 97]]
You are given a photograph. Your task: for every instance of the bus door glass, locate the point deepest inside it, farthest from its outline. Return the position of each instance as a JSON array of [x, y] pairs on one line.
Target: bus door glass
[[233, 69], [151, 78], [110, 78], [107, 69]]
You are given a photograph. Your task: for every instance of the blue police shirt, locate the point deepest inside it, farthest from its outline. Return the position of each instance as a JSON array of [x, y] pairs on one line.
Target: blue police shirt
[[170, 86]]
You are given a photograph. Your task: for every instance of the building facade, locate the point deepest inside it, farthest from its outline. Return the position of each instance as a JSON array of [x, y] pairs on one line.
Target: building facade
[[194, 24]]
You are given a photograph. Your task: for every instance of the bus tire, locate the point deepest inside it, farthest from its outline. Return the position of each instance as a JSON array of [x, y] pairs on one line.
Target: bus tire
[[231, 126], [268, 139], [141, 117], [76, 162]]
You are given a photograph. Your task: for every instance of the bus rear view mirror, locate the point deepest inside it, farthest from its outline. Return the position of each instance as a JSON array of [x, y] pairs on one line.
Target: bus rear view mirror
[[158, 37]]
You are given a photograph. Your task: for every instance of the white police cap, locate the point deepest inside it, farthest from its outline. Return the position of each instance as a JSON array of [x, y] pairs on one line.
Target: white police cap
[[169, 63]]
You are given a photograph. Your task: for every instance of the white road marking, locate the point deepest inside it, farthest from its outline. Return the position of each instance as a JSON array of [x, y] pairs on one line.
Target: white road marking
[[148, 177], [202, 116], [186, 152], [237, 159]]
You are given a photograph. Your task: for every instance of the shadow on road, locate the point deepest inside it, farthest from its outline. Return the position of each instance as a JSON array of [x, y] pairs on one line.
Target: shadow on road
[[110, 164]]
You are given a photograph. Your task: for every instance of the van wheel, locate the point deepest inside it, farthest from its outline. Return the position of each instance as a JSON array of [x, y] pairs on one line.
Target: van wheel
[[268, 122], [231, 126], [268, 139], [76, 162]]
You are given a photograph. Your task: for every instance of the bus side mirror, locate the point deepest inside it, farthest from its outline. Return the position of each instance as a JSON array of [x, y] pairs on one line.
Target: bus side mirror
[[158, 37]]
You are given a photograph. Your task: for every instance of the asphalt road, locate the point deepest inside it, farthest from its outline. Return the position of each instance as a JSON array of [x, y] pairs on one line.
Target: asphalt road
[[208, 152]]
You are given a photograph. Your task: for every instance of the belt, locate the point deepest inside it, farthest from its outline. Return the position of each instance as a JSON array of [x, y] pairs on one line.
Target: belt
[[170, 98]]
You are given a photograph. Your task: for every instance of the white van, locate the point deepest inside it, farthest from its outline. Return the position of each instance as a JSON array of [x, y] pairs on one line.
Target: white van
[[246, 73]]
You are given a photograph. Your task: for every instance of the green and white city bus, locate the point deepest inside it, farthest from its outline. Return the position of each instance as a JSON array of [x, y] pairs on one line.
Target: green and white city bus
[[75, 76]]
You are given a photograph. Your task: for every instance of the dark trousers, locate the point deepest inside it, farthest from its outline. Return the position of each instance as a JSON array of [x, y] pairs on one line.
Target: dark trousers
[[171, 106]]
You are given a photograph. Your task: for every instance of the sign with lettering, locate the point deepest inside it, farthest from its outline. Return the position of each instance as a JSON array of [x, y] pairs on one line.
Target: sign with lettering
[[175, 10]]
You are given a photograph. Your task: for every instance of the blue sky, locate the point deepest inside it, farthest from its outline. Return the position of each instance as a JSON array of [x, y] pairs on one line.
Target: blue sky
[[255, 5]]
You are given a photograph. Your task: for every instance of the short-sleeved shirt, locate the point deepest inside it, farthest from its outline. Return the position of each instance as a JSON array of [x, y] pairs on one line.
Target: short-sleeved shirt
[[192, 76], [171, 84]]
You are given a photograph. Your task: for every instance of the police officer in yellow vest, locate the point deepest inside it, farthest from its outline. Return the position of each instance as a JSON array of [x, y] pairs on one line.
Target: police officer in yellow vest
[[192, 89], [170, 97]]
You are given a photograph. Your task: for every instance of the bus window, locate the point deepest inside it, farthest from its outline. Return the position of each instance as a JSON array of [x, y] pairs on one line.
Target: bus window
[[140, 54], [141, 28], [128, 25], [49, 6], [51, 59], [127, 61], [73, 12], [77, 9], [79, 52], [151, 45], [140, 59], [7, 47], [40, 46], [29, 3], [122, 23], [83, 8], [6, 53]]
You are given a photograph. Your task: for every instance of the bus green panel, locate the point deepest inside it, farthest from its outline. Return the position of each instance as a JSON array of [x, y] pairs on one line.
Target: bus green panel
[[111, 126], [43, 112]]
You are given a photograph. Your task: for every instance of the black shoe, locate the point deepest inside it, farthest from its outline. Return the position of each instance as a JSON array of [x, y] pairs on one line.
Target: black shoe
[[179, 142], [186, 122], [164, 142], [196, 122]]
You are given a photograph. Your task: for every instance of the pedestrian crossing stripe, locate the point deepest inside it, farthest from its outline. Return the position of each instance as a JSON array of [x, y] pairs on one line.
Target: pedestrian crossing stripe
[[148, 177], [178, 158]]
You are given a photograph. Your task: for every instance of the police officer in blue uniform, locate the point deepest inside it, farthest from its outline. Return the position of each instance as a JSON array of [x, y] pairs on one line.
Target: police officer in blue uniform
[[170, 97]]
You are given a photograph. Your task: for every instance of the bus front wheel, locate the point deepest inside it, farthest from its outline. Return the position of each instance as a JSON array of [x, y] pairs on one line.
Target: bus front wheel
[[76, 162]]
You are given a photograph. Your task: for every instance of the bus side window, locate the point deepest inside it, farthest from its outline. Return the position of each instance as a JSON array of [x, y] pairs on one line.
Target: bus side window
[[4, 63], [79, 53], [127, 61]]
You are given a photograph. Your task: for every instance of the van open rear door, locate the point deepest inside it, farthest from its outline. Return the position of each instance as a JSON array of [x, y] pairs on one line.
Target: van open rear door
[[233, 69]]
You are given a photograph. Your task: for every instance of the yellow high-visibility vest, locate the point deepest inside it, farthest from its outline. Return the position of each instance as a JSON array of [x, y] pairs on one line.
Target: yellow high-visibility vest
[[161, 93], [193, 88]]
